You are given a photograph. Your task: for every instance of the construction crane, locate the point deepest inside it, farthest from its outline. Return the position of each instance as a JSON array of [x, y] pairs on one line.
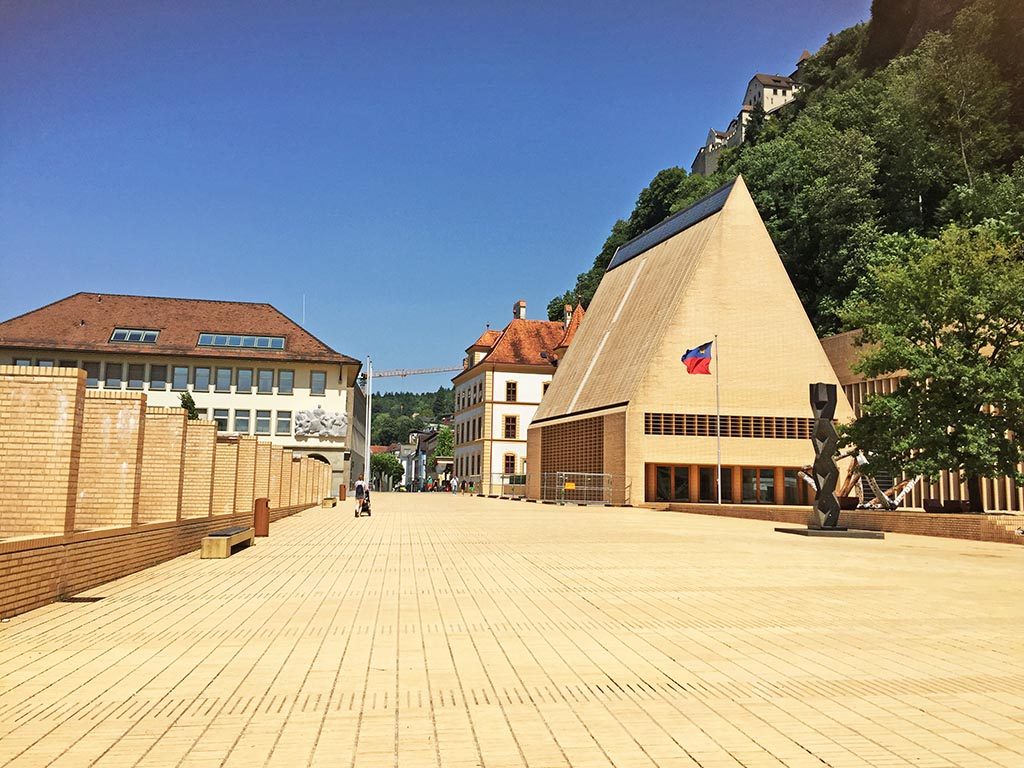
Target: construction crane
[[369, 375], [403, 372]]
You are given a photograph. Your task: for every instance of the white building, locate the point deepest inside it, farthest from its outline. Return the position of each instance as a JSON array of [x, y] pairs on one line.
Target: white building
[[764, 92], [506, 374], [247, 366]]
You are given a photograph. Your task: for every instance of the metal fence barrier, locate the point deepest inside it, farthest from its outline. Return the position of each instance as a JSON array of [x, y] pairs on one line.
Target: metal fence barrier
[[576, 488], [506, 485]]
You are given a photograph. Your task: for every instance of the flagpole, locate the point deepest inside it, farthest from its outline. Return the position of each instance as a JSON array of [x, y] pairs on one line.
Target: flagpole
[[718, 419]]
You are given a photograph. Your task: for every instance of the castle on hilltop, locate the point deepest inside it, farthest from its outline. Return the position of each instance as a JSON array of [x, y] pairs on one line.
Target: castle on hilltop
[[764, 92]]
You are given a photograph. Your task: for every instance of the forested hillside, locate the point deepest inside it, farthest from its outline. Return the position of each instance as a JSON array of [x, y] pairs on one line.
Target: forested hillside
[[396, 414], [880, 145]]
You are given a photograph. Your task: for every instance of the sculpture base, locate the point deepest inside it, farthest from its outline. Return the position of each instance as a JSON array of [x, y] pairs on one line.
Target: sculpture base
[[833, 533]]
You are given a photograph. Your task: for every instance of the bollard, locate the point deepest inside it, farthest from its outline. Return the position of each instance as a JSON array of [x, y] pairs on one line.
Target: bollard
[[261, 517]]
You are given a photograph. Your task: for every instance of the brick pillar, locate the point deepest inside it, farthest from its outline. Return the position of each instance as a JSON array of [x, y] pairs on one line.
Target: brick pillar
[[276, 464], [163, 461], [110, 467], [294, 497], [246, 480], [200, 458], [225, 475], [261, 488], [41, 414]]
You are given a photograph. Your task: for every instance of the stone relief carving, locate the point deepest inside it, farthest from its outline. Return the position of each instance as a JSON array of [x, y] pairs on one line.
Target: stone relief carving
[[320, 423]]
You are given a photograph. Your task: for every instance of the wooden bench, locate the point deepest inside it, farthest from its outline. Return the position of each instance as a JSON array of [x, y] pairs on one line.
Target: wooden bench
[[221, 544]]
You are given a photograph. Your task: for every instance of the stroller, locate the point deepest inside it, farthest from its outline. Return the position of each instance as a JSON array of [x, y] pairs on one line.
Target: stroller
[[362, 501]]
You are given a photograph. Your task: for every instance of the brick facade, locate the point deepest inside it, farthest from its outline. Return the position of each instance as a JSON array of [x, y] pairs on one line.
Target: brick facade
[[200, 452], [96, 485], [163, 459], [41, 412], [110, 467]]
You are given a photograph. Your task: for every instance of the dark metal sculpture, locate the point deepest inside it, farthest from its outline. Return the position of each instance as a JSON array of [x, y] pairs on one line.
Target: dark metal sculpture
[[826, 443]]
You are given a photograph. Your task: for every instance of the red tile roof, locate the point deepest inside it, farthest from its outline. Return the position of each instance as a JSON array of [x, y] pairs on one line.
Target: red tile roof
[[487, 339], [574, 325], [85, 322], [522, 342]]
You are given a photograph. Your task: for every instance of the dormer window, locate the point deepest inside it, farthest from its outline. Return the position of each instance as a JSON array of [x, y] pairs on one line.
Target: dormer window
[[240, 341], [134, 336]]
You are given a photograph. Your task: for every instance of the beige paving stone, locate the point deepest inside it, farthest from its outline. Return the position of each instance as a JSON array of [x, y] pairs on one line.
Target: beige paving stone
[[452, 631]]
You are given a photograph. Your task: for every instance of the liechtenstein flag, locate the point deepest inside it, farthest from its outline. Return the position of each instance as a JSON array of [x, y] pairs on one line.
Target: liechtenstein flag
[[698, 360]]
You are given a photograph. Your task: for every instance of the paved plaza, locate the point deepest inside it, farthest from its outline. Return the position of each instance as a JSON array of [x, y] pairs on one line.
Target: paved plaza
[[455, 632]]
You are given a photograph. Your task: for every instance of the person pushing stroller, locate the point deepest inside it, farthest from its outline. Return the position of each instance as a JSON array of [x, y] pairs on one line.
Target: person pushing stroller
[[362, 497]]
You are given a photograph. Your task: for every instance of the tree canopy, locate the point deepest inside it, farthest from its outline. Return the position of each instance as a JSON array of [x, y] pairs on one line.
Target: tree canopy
[[905, 148], [397, 414], [947, 315]]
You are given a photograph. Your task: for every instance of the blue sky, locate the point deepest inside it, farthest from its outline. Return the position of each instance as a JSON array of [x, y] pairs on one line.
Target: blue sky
[[412, 168]]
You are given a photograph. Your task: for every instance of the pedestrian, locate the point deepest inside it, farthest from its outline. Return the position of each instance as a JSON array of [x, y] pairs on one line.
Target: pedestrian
[[362, 493], [454, 485]]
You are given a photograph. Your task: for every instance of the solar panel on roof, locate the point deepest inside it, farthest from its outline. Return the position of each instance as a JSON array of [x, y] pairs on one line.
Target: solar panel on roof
[[671, 226]]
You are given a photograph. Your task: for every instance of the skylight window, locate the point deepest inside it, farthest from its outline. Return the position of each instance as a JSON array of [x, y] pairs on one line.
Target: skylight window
[[239, 341], [135, 335]]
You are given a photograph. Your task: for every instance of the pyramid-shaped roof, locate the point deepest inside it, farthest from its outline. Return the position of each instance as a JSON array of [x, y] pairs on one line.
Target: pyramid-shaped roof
[[710, 272]]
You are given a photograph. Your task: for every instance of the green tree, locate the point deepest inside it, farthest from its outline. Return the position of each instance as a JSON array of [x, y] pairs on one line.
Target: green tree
[[949, 314], [385, 465], [445, 446], [189, 405]]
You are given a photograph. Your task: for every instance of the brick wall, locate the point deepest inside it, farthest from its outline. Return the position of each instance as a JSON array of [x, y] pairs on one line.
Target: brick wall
[[274, 487], [163, 460], [200, 453], [225, 472], [96, 485], [995, 528], [110, 466], [262, 489], [245, 480], [41, 412]]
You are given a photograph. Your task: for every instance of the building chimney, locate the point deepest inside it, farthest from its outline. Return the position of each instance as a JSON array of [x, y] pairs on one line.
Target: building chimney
[[568, 314], [519, 310]]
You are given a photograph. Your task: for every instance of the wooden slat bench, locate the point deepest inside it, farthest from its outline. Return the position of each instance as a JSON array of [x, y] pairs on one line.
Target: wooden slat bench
[[220, 544]]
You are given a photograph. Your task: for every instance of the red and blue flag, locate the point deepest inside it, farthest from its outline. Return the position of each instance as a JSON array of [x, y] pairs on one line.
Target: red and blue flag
[[698, 360]]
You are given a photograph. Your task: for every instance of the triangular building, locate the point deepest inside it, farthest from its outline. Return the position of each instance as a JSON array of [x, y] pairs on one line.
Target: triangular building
[[622, 404]]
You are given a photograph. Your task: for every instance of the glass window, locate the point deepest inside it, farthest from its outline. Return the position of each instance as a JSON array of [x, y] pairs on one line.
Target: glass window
[[511, 389], [262, 422], [242, 421], [135, 335], [663, 484], [68, 363], [766, 486], [284, 422], [511, 427], [223, 380], [114, 373], [201, 382], [180, 380], [510, 464], [22, 361], [92, 374], [158, 377], [317, 382], [136, 375], [727, 485], [44, 363], [792, 487], [285, 382], [681, 484], [244, 381], [220, 415], [749, 486], [265, 382], [708, 484], [225, 340]]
